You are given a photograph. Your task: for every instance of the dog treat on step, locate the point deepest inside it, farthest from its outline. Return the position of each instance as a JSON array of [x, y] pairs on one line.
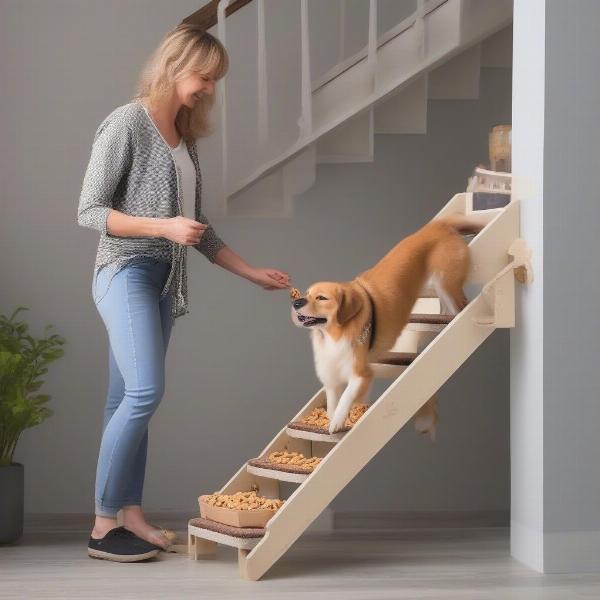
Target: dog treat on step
[[318, 416], [296, 459], [243, 501], [295, 293], [356, 412]]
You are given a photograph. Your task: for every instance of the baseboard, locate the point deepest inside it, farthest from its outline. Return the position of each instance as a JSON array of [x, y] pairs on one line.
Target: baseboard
[[420, 519], [78, 522], [328, 520]]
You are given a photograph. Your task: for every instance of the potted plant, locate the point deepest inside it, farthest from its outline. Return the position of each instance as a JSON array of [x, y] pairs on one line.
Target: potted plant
[[23, 361]]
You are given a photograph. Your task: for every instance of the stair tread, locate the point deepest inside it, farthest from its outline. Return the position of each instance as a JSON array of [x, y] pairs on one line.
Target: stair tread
[[313, 428], [430, 319], [263, 463], [397, 358], [239, 532]]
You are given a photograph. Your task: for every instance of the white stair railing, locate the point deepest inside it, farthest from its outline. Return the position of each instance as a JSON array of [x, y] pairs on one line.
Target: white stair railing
[[258, 149]]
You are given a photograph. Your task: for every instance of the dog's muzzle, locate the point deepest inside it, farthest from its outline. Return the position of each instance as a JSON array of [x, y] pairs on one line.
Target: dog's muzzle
[[304, 320]]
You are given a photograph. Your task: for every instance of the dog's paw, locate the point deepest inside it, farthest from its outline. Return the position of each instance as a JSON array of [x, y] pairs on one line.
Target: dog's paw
[[336, 423]]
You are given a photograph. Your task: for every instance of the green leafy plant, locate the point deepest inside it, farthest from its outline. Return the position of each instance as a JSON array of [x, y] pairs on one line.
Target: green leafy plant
[[23, 361]]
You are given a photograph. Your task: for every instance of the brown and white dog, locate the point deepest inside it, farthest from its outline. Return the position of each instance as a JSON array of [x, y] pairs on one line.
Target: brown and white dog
[[353, 323]]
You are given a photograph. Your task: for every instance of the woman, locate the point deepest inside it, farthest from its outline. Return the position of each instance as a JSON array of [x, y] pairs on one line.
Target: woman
[[142, 191]]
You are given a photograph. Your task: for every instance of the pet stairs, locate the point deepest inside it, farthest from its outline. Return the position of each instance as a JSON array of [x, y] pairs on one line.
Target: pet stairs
[[429, 350]]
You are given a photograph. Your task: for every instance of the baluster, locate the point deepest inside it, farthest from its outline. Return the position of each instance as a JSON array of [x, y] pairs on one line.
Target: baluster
[[263, 122], [305, 120], [223, 4], [342, 38], [372, 46], [420, 27]]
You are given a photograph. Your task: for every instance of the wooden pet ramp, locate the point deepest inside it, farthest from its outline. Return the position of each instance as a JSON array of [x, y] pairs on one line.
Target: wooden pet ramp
[[431, 348]]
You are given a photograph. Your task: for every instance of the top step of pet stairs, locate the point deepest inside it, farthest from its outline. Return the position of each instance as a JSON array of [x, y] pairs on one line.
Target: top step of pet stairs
[[383, 88], [498, 256]]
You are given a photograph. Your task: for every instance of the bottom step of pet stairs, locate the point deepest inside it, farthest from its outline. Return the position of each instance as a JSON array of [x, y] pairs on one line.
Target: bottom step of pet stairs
[[200, 530]]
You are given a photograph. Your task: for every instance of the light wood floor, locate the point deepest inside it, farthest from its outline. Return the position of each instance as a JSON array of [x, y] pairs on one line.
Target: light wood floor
[[461, 564]]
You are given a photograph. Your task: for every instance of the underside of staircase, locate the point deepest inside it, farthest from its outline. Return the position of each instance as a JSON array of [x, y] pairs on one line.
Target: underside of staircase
[[384, 88]]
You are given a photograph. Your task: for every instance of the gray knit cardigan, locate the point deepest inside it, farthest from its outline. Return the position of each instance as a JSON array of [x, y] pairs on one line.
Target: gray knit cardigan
[[132, 169]]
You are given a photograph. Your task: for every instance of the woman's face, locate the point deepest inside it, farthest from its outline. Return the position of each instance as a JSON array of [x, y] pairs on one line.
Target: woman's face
[[194, 84]]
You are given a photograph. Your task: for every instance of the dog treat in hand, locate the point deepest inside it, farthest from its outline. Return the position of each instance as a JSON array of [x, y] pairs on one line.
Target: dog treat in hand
[[295, 293], [243, 501], [296, 459], [318, 416]]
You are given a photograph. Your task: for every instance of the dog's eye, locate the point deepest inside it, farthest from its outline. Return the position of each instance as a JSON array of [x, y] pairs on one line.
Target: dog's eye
[[321, 298]]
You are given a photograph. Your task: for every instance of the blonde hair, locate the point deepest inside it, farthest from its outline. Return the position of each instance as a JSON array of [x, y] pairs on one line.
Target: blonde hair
[[186, 48]]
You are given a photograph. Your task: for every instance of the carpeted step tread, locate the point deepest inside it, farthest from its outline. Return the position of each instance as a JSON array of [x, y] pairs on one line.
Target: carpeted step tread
[[240, 532], [301, 426], [262, 463], [430, 319], [397, 358]]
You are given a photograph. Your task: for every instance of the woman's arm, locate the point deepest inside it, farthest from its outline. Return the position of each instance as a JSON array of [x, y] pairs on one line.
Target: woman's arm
[[178, 229], [232, 262], [269, 279], [123, 225], [109, 161], [185, 231]]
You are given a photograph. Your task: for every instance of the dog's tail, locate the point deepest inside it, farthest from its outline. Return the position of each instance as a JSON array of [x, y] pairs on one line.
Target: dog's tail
[[463, 224]]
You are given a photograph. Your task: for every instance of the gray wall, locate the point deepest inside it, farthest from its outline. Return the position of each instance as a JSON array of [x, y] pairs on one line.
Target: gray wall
[[571, 286], [237, 368]]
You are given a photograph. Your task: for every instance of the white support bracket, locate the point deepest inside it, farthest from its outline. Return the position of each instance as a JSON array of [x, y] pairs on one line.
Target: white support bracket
[[499, 293]]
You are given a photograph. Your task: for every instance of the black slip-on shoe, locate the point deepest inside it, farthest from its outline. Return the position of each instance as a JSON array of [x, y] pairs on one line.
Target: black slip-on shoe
[[122, 545]]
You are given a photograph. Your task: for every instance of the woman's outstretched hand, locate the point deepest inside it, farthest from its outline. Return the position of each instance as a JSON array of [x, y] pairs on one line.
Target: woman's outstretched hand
[[270, 279]]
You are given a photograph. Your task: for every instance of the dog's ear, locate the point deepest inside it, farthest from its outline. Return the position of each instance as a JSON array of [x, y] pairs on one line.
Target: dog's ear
[[349, 303]]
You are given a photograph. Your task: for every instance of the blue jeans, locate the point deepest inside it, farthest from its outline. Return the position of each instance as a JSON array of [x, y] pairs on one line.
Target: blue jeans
[[139, 326]]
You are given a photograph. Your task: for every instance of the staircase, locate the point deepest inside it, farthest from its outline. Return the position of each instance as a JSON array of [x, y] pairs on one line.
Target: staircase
[[281, 110], [430, 349], [265, 153]]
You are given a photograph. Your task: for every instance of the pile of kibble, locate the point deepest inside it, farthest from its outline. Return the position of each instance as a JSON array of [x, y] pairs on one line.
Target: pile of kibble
[[318, 416], [243, 501], [295, 459]]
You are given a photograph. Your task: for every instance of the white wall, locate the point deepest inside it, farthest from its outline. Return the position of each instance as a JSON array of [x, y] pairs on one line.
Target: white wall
[[527, 340], [555, 448]]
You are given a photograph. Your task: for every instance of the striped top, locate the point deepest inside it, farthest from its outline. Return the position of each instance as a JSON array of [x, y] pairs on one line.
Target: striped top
[[132, 169]]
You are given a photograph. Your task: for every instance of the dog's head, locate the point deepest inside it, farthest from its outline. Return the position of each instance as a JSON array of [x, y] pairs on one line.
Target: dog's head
[[326, 303]]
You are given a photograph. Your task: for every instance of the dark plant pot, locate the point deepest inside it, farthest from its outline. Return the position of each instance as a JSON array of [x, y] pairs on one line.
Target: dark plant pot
[[11, 503]]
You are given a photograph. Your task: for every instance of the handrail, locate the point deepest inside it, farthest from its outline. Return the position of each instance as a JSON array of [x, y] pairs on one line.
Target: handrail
[[207, 15]]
